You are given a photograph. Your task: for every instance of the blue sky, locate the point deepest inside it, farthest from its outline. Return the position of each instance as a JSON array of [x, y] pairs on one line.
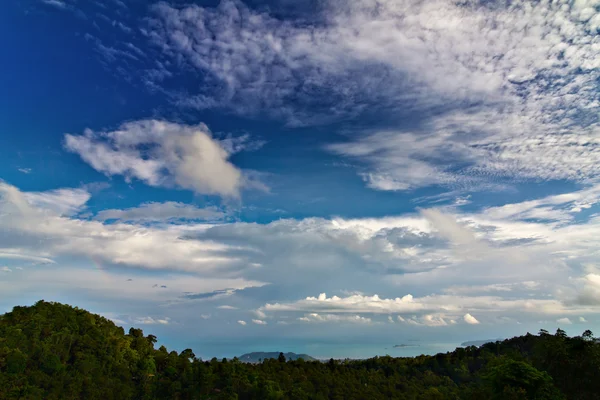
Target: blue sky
[[324, 177]]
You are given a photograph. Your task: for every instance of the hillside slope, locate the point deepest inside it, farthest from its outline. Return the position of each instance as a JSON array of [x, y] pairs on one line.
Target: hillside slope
[[55, 351]]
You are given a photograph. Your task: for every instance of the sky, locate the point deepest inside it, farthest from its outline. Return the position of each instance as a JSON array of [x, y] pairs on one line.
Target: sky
[[319, 176]]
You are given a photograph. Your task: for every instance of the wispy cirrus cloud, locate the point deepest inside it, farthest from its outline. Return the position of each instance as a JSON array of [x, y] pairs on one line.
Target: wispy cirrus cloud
[[61, 201], [489, 87], [169, 211], [151, 321], [64, 5], [30, 229], [56, 3]]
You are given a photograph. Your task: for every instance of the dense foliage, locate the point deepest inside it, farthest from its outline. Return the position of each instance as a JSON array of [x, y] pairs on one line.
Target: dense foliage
[[54, 351]]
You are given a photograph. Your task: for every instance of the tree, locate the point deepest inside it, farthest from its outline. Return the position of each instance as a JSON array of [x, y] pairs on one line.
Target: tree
[[587, 335], [512, 379], [54, 351]]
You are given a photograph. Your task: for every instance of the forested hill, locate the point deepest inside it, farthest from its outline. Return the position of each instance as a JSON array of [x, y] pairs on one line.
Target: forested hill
[[54, 351]]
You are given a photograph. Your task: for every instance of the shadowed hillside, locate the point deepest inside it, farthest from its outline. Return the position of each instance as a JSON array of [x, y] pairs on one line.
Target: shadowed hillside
[[55, 351]]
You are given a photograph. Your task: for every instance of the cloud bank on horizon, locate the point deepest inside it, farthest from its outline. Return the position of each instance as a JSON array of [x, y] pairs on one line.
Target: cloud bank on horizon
[[474, 125]]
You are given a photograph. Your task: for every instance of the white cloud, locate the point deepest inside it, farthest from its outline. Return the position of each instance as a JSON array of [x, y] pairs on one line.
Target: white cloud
[[61, 201], [56, 3], [481, 263], [14, 254], [590, 289], [259, 322], [560, 208], [469, 319], [117, 319], [260, 314], [565, 321], [318, 318], [582, 319], [226, 307], [239, 48], [530, 68], [34, 230], [151, 321], [426, 320], [496, 287], [25, 170], [5, 269], [161, 153], [205, 316], [128, 287], [241, 322], [448, 227], [167, 211], [425, 305]]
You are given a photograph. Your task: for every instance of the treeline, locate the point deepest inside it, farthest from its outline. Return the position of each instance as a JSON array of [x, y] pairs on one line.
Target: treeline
[[55, 351]]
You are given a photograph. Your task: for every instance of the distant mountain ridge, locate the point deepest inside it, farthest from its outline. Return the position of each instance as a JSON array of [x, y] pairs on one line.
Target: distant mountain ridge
[[258, 356]]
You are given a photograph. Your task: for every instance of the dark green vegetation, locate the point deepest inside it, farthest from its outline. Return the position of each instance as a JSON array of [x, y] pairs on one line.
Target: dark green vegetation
[[259, 356], [54, 351], [479, 342]]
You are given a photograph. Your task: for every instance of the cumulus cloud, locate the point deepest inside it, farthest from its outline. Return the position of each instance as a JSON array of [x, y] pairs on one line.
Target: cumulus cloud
[[426, 320], [227, 307], [448, 227], [469, 319], [582, 319], [169, 211], [427, 305], [260, 314], [565, 321], [259, 322], [590, 289], [161, 153], [534, 268], [461, 254], [241, 322]]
